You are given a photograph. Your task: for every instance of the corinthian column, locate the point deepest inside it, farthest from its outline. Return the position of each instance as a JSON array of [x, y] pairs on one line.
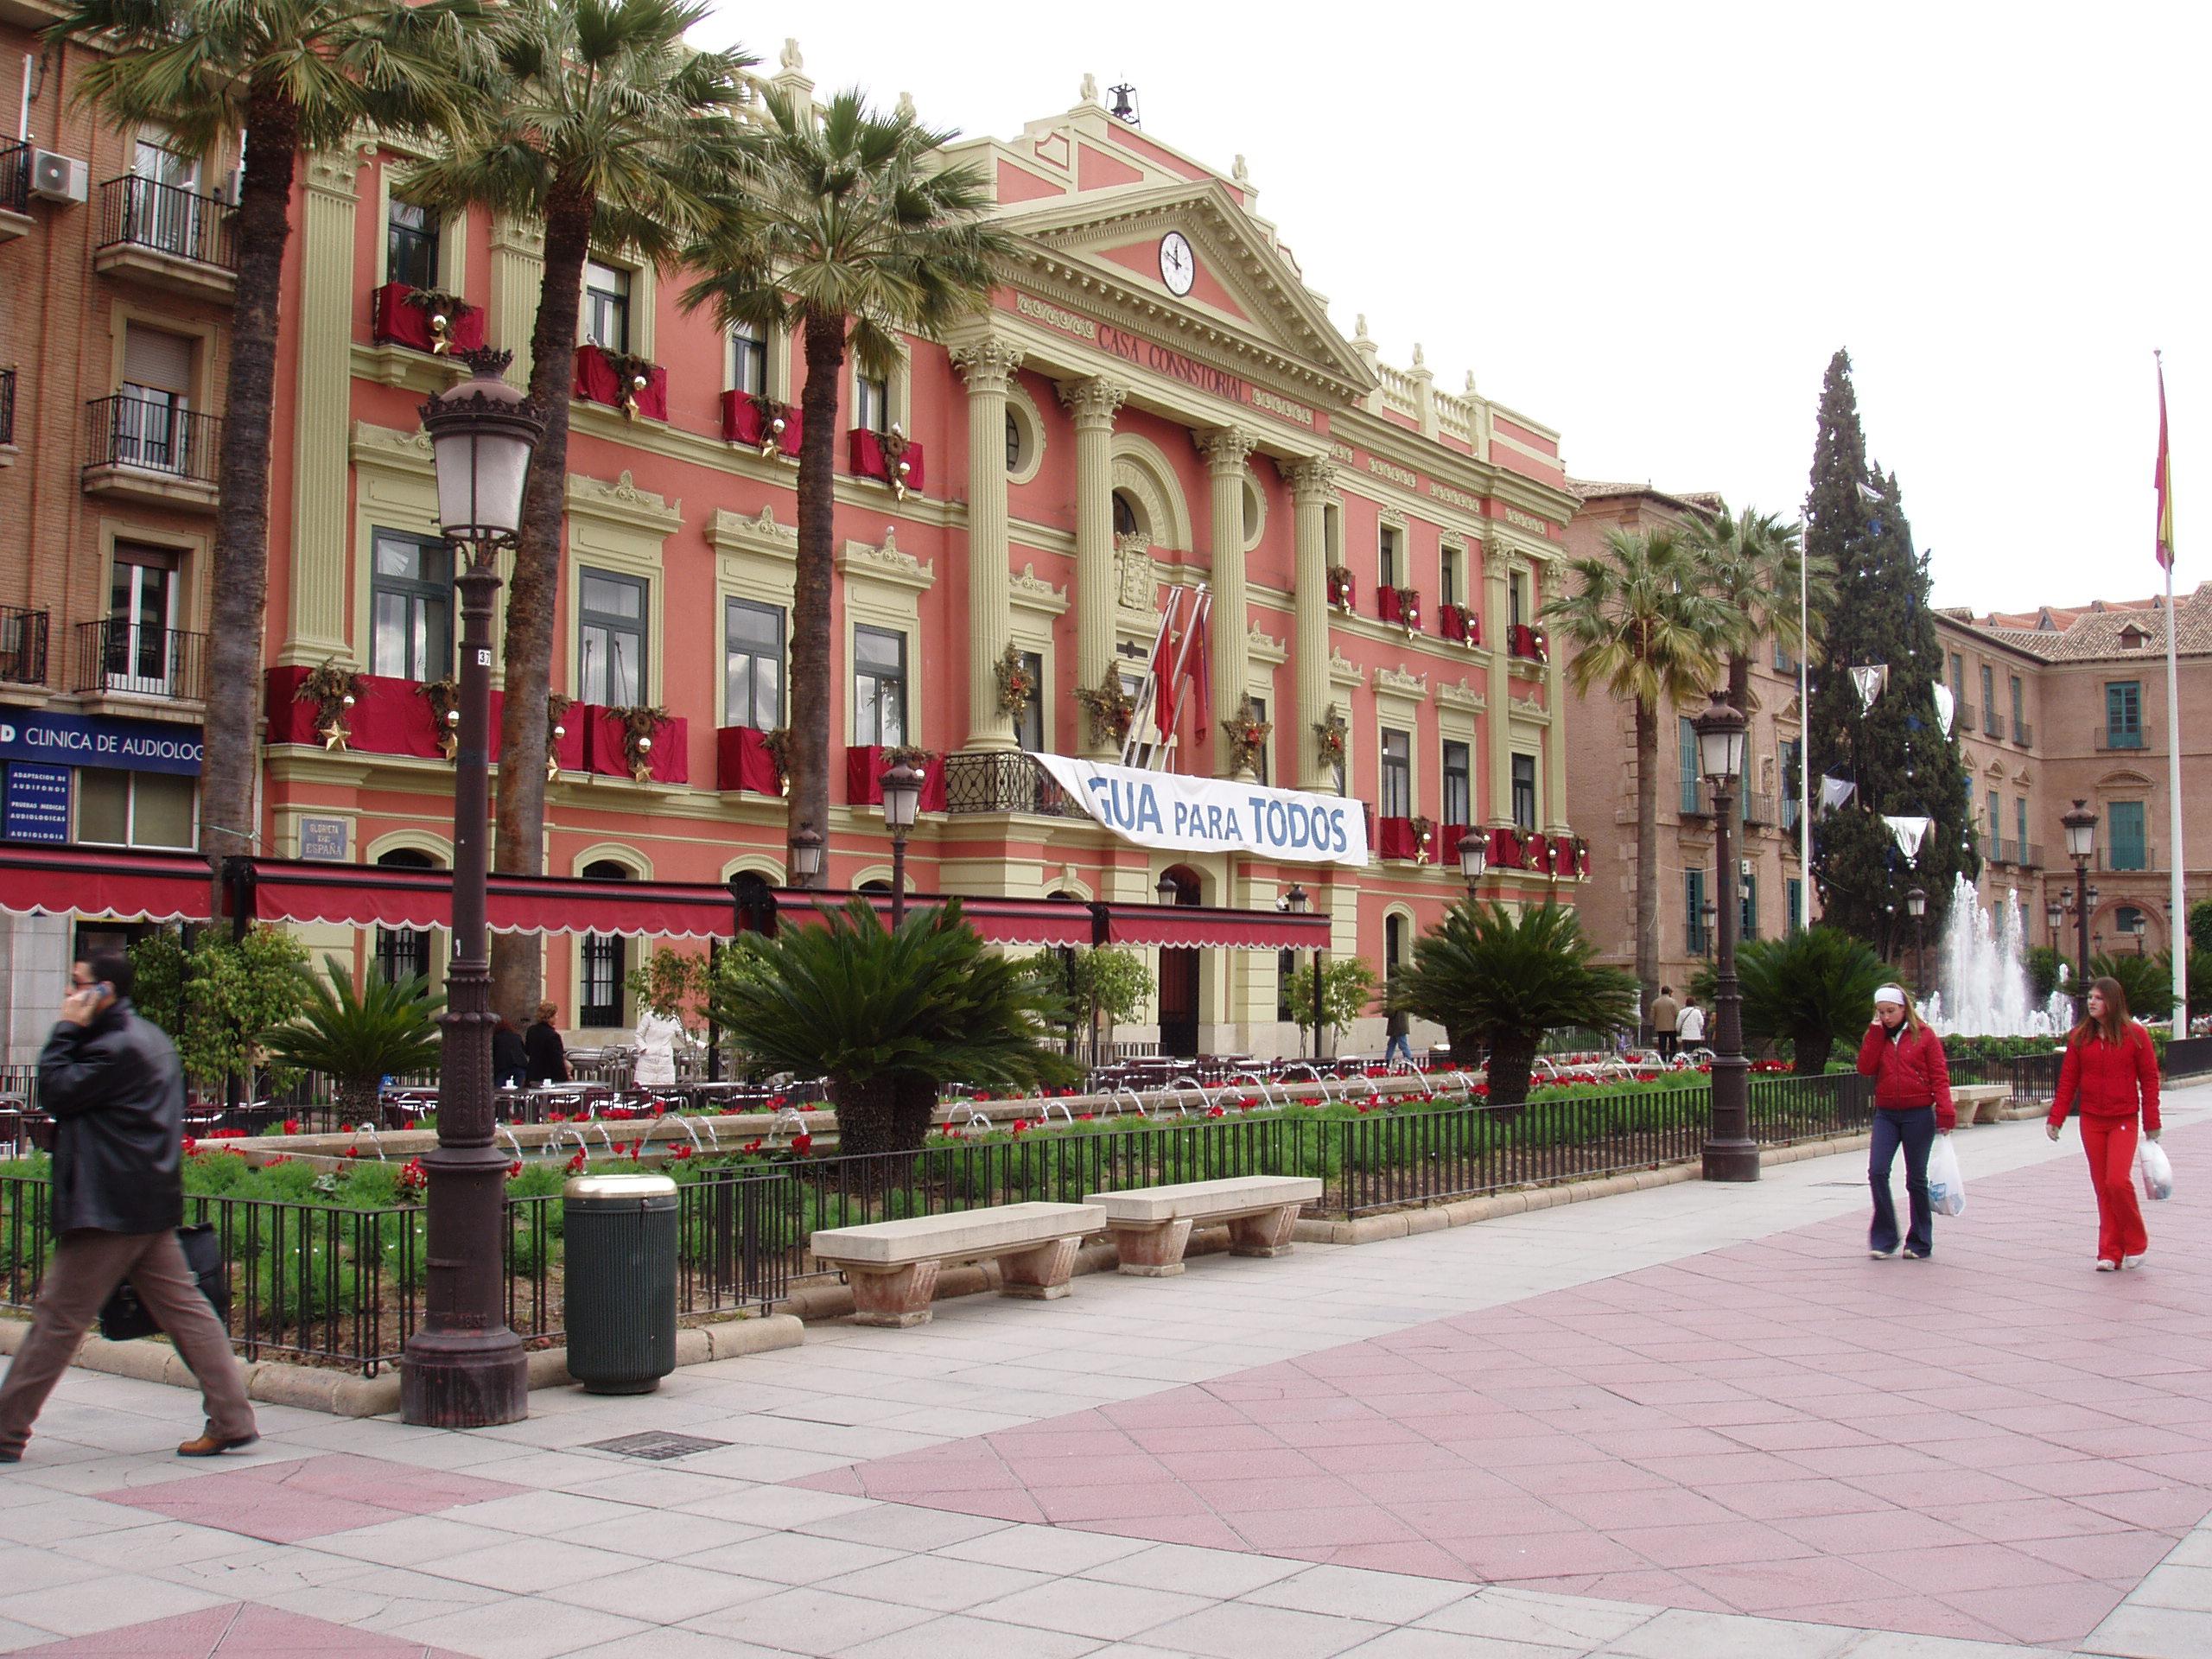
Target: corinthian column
[[1093, 403], [1226, 451], [316, 630], [987, 365], [1496, 693], [1312, 484]]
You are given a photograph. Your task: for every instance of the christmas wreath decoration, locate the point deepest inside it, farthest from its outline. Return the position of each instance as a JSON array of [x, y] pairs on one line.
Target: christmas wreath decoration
[[333, 690], [1424, 831], [1110, 708], [778, 743], [775, 420], [1247, 736], [1409, 610], [1017, 685], [444, 698], [1330, 736], [445, 310], [639, 726], [1342, 589], [894, 444], [635, 373], [556, 715]]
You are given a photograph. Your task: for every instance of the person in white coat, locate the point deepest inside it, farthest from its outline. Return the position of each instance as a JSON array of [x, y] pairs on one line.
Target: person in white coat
[[1690, 1024], [657, 1036]]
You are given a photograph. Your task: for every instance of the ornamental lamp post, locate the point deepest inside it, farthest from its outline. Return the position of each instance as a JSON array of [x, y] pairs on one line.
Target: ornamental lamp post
[[806, 855], [2140, 928], [2054, 914], [1730, 1152], [1916, 906], [463, 1367], [1474, 860], [2080, 827], [902, 800]]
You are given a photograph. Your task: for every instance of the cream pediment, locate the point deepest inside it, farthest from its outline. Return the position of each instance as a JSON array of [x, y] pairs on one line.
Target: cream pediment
[[1249, 311]]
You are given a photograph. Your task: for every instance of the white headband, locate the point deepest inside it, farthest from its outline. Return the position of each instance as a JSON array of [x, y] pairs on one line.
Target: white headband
[[1890, 994]]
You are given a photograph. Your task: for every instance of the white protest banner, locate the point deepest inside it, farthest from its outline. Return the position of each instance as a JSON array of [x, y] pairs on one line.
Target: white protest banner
[[1213, 815]]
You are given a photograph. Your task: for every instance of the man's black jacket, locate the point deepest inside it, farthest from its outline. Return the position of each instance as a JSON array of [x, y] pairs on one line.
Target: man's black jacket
[[116, 1091]]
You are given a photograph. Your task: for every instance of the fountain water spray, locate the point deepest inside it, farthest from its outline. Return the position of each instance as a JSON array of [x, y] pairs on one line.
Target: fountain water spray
[[1981, 968]]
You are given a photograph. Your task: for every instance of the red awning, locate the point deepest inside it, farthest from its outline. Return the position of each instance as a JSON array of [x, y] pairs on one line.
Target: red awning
[[129, 886], [1192, 925]]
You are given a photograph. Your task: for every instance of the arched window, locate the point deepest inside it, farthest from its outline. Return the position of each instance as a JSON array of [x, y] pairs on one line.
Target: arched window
[[605, 960], [403, 952]]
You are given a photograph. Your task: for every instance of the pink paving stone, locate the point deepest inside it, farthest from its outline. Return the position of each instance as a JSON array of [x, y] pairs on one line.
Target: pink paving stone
[[232, 1631], [288, 1502], [1996, 1448]]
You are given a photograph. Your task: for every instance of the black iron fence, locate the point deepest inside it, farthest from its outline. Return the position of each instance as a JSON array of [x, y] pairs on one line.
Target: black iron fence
[[167, 219], [1000, 782], [149, 435], [118, 655], [22, 645], [7, 390], [15, 180]]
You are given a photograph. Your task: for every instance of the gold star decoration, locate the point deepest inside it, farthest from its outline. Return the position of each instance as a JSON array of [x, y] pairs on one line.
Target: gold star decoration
[[333, 735]]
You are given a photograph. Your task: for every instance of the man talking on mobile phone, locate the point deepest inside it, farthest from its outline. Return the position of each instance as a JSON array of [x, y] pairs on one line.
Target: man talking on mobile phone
[[113, 1086]]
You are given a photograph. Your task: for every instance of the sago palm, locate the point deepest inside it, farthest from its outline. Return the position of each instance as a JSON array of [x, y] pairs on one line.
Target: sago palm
[[1643, 630], [358, 1038], [887, 1015], [600, 125], [292, 77], [849, 230], [1488, 977], [1812, 989], [2148, 981]]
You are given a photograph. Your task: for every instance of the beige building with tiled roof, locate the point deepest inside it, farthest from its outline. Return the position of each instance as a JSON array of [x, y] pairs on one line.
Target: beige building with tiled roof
[[2069, 703]]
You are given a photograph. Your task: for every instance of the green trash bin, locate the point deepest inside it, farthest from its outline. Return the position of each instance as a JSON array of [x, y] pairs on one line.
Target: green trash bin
[[620, 1284]]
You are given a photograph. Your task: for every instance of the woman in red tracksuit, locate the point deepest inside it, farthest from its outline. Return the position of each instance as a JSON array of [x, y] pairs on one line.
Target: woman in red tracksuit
[[1912, 1106], [2113, 1065]]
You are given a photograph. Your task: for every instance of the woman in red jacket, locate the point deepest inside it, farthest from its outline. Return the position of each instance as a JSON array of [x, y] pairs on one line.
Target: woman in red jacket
[[1912, 1106], [2113, 1065]]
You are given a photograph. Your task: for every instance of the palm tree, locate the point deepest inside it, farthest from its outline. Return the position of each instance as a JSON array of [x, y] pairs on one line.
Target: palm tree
[[1752, 566], [850, 231], [601, 123], [1813, 989], [888, 1015], [292, 77], [358, 1039], [1643, 632], [1488, 976]]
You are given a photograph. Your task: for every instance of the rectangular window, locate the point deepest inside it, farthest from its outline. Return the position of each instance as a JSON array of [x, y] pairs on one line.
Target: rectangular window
[[753, 665], [2124, 714], [2124, 832], [1029, 730], [871, 403], [1259, 714], [1524, 792], [411, 608], [1996, 824], [1989, 688], [2019, 703], [2020, 821], [1796, 893], [1386, 561], [410, 245], [607, 306], [1448, 578], [135, 809], [1958, 676], [1751, 917], [1286, 965], [611, 639], [1690, 802], [878, 687], [1793, 780], [1458, 784], [1397, 774], [1517, 598], [1783, 661], [605, 964], [1694, 935], [748, 361], [149, 425]]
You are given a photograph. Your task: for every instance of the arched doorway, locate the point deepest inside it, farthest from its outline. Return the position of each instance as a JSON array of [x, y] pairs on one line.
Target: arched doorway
[[403, 952], [1179, 971], [606, 961]]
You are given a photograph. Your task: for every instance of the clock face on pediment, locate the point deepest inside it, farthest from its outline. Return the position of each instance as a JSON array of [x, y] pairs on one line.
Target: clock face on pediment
[[1178, 266]]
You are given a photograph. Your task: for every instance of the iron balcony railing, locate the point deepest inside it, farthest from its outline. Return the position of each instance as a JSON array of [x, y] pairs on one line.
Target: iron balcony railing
[[1758, 809], [168, 218], [16, 177], [2134, 856], [1000, 782], [1993, 723], [118, 655], [151, 436], [22, 645], [2024, 732], [2138, 736], [7, 405], [1964, 712], [2030, 853]]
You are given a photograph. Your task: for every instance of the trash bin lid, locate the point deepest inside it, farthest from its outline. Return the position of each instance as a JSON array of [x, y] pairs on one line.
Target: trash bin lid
[[618, 1186]]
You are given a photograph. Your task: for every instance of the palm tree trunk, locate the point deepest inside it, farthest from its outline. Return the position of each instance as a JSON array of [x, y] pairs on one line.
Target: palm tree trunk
[[239, 568], [1512, 1058], [1647, 851], [824, 339], [1810, 1048], [519, 959]]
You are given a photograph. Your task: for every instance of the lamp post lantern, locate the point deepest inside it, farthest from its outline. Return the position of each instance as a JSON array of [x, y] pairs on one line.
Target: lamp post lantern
[[1916, 906], [2080, 827], [806, 855], [1730, 1152], [1474, 860], [2141, 928], [902, 800], [1298, 904], [464, 1368], [2054, 914]]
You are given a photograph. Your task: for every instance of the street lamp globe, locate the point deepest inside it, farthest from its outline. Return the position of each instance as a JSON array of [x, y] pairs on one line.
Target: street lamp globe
[[1721, 731], [482, 432], [1474, 856], [1915, 903], [806, 854], [2080, 825], [902, 797], [2054, 914], [1167, 889], [1295, 900]]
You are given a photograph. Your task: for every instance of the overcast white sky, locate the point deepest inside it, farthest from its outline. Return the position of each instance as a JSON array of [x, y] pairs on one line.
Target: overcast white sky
[[1649, 225]]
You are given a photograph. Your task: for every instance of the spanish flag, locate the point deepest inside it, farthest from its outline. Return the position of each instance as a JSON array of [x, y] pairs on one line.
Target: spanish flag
[[2163, 482]]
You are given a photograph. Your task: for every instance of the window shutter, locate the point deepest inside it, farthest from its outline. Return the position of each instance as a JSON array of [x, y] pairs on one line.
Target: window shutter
[[152, 357]]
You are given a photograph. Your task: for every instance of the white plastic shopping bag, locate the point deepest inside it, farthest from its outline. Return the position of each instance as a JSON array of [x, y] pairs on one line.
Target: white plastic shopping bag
[[1947, 1188], [2154, 1169]]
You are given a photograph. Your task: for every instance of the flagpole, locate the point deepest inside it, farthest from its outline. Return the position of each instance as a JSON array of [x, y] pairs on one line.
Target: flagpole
[[2178, 928], [1804, 751]]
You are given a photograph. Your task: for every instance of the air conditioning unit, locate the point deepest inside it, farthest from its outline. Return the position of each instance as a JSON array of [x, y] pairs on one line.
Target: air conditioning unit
[[56, 177]]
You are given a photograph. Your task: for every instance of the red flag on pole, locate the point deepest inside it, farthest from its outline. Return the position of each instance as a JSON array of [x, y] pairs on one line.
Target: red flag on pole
[[1163, 665], [2164, 480]]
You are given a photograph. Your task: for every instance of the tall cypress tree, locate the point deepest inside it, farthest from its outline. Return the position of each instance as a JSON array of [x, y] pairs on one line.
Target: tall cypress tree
[[1895, 751]]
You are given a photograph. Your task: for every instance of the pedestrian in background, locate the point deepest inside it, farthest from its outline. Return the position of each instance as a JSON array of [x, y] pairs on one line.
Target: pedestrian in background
[[1690, 1024], [116, 1091], [1399, 1027], [2112, 1066], [1912, 1106], [1665, 1010], [547, 1054]]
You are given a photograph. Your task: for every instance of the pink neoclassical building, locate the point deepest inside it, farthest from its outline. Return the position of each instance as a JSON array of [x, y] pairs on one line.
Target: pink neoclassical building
[[1154, 400]]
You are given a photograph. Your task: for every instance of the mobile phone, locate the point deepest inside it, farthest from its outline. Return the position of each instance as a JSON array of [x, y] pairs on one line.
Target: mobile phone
[[106, 991]]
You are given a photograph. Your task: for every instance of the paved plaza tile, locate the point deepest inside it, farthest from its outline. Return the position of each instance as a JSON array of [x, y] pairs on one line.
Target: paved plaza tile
[[232, 1632], [289, 1501], [1997, 1445]]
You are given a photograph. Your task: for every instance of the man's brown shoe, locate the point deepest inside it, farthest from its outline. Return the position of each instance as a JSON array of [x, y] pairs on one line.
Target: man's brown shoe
[[208, 1445]]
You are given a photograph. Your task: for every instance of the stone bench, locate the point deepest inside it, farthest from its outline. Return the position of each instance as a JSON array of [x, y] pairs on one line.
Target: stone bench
[[1152, 1224], [1979, 1103], [892, 1265]]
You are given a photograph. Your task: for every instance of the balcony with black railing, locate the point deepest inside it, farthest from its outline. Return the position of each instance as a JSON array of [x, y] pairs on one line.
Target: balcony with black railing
[[136, 659], [1001, 782], [22, 645], [167, 234], [14, 186], [150, 450], [2024, 732], [2113, 736], [7, 413]]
